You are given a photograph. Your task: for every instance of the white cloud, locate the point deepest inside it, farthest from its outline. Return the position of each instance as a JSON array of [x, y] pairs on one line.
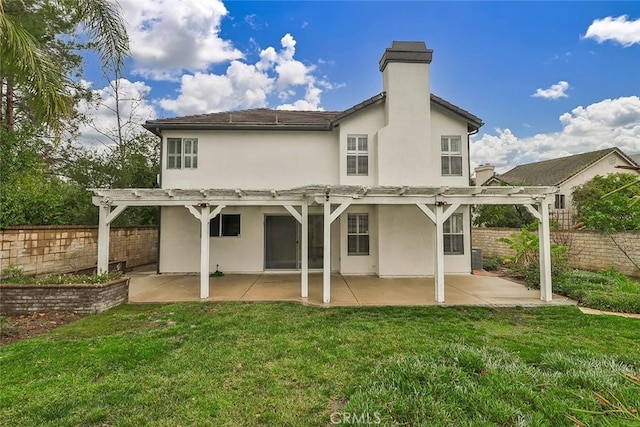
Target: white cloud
[[608, 123], [619, 30], [171, 36], [243, 85], [558, 90], [255, 22], [133, 106]]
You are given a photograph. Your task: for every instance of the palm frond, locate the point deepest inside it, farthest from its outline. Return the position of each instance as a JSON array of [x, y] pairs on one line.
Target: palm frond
[[34, 70], [104, 24]]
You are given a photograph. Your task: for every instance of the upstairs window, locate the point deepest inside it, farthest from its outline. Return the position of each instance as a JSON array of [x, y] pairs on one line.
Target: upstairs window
[[358, 234], [559, 204], [225, 225], [451, 156], [454, 235], [357, 155], [182, 153]]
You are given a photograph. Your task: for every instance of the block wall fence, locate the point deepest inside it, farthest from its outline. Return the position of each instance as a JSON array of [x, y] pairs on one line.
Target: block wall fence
[[588, 250], [45, 249]]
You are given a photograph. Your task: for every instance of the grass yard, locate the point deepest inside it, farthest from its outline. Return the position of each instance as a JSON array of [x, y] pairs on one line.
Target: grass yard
[[289, 365]]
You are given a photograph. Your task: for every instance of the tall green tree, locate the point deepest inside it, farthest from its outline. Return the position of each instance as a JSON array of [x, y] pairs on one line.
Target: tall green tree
[[616, 211], [32, 70], [510, 216], [31, 192]]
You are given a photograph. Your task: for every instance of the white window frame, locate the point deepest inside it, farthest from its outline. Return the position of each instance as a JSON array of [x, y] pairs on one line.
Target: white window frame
[[358, 149], [448, 153], [187, 153], [456, 221], [361, 230], [220, 219], [560, 201]]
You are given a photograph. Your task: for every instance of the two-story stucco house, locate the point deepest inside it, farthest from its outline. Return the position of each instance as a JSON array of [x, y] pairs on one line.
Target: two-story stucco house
[[381, 188]]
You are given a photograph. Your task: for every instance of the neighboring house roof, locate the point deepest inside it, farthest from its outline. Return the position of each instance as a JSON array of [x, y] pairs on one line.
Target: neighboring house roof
[[636, 158], [265, 118], [554, 172]]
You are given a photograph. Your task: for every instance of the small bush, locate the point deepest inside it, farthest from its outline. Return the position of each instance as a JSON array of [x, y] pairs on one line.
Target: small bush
[[492, 263]]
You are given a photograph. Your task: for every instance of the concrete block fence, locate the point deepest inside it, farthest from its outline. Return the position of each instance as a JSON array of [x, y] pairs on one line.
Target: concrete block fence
[[46, 249], [588, 250]]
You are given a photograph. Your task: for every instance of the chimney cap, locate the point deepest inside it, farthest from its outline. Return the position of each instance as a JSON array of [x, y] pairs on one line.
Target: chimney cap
[[406, 51]]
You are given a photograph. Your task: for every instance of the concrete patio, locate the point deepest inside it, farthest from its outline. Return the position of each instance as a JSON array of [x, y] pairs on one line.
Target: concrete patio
[[481, 290]]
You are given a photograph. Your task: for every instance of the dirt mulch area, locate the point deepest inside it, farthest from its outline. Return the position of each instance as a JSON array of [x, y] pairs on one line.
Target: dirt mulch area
[[20, 327]]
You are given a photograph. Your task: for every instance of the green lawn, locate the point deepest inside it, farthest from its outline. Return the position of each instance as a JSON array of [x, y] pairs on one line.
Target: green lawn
[[290, 365]]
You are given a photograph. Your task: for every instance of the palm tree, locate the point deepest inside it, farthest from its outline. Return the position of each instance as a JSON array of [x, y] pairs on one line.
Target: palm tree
[[25, 64]]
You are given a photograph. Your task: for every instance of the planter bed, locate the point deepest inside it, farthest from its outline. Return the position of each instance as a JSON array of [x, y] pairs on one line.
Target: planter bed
[[81, 298]]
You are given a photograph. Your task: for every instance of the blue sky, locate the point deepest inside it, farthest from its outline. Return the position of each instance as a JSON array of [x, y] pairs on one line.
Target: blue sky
[[582, 59]]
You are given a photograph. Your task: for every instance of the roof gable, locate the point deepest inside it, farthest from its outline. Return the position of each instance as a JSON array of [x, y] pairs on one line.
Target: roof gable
[[556, 171]]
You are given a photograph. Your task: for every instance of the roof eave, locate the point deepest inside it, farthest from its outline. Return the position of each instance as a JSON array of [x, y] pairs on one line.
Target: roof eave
[[157, 128]]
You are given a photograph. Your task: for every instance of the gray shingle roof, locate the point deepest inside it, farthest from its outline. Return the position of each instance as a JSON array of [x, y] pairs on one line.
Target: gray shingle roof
[[556, 171], [265, 118]]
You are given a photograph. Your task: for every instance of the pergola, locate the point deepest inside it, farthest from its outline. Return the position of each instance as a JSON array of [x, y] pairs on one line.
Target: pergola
[[437, 204]]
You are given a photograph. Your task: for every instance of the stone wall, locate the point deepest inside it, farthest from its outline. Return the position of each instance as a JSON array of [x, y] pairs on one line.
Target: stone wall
[[589, 250], [83, 298], [45, 249]]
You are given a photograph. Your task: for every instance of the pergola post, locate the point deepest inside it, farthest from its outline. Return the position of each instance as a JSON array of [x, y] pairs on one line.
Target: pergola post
[[204, 251], [205, 215], [326, 256], [304, 291], [439, 264], [103, 239], [106, 217], [544, 240]]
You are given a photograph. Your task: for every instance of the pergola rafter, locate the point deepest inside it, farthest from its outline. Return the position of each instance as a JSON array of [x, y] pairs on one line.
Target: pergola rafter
[[437, 203]]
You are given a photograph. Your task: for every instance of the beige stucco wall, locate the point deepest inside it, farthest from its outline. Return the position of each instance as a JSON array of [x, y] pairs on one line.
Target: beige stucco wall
[[256, 160], [180, 241], [407, 246], [443, 124], [367, 123]]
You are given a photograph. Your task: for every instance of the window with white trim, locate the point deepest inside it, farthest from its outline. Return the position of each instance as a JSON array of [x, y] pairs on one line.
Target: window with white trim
[[358, 234], [224, 225], [357, 155], [560, 201], [182, 153], [451, 155], [454, 235]]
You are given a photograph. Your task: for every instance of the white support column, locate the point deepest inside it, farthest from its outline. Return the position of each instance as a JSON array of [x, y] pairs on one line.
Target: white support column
[[103, 239], [304, 280], [106, 217], [204, 251], [439, 264], [545, 252], [326, 257]]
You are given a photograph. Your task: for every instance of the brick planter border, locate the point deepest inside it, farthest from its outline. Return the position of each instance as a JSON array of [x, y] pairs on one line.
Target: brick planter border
[[78, 298]]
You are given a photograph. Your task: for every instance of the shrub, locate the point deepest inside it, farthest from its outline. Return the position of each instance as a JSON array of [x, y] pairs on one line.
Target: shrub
[[525, 263], [609, 290], [492, 263], [60, 279]]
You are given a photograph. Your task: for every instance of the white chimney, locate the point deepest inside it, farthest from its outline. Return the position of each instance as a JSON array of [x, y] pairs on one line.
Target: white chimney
[[484, 173], [405, 74]]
